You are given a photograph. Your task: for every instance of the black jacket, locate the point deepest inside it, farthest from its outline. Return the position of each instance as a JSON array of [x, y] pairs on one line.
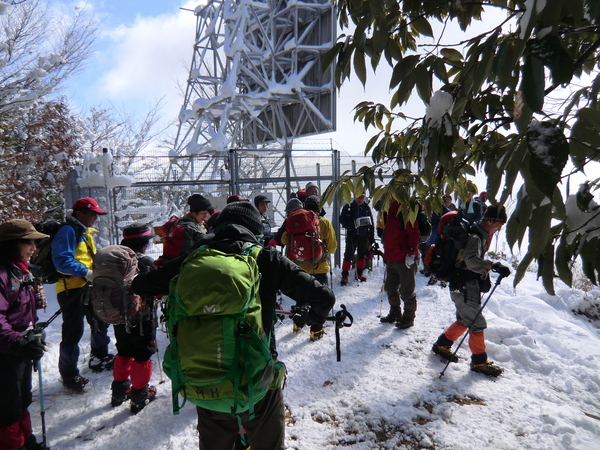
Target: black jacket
[[278, 274]]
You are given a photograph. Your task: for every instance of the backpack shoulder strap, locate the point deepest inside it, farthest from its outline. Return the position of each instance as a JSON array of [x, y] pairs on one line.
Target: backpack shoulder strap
[[15, 283]]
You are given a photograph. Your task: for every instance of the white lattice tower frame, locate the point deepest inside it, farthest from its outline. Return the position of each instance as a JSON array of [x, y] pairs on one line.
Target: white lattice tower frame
[[256, 78]]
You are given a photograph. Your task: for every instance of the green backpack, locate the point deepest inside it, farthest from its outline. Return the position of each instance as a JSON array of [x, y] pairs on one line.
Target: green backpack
[[219, 357]]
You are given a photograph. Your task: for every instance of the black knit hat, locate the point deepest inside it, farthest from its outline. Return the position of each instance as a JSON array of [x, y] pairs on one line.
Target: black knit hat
[[199, 203], [495, 213], [312, 203], [240, 213], [137, 230], [136, 236]]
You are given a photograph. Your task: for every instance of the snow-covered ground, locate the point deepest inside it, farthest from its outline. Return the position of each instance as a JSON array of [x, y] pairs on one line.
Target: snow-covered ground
[[386, 393]]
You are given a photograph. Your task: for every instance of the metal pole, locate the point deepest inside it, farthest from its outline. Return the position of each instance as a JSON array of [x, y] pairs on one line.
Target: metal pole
[[335, 219], [107, 190], [42, 406]]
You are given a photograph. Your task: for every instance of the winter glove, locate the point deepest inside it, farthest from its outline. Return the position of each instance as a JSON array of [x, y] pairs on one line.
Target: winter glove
[[89, 276], [272, 243], [410, 260], [501, 269], [32, 350]]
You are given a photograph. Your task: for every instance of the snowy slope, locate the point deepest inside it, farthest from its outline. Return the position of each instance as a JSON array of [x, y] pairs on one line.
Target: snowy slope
[[386, 393]]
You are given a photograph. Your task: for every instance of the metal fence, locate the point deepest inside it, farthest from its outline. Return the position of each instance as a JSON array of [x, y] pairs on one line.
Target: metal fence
[[162, 184]]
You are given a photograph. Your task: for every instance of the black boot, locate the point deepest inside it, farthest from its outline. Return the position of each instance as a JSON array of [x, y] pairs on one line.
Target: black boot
[[141, 397], [359, 275], [393, 316], [443, 348], [480, 364], [405, 323], [120, 392], [344, 280]]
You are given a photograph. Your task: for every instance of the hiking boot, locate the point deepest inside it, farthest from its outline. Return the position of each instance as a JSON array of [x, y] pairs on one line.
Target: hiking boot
[[445, 352], [487, 368], [316, 335], [120, 392], [344, 281], [297, 328], [359, 276], [31, 443], [403, 324], [433, 280], [141, 397], [393, 316], [98, 364], [75, 383]]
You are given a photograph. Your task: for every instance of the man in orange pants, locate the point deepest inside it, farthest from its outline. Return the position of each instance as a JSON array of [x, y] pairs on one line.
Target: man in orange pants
[[466, 295]]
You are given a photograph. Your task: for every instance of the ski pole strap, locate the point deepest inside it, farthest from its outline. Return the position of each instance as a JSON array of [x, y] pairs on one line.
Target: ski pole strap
[[340, 317]]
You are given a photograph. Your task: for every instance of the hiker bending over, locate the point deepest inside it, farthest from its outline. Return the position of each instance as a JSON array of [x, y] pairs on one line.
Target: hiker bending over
[[18, 351], [473, 279], [133, 367], [237, 226]]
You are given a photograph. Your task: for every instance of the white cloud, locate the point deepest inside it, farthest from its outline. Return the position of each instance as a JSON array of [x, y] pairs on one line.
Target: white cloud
[[148, 59]]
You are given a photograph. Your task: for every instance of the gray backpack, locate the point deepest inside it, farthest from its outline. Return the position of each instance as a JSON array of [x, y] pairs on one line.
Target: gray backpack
[[112, 299]]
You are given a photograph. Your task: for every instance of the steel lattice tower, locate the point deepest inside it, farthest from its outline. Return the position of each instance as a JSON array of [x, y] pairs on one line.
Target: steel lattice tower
[[256, 80]]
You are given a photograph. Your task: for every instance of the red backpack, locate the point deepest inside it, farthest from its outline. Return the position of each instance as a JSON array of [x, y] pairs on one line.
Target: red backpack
[[304, 245]]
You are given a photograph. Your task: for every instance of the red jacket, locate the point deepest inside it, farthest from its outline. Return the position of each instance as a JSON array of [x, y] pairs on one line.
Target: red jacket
[[397, 238]]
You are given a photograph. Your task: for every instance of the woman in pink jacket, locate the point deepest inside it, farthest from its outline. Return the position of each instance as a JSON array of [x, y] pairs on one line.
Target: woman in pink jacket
[[19, 350]]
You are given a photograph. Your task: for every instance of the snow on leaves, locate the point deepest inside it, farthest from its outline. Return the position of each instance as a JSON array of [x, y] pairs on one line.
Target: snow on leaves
[[549, 152]]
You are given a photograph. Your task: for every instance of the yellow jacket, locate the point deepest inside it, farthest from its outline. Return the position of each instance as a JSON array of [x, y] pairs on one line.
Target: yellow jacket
[[329, 241], [73, 256]]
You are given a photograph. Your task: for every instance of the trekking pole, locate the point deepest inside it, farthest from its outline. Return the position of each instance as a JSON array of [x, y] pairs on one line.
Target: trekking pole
[[162, 378], [43, 325], [42, 406], [496, 284], [340, 322], [331, 274], [382, 293]]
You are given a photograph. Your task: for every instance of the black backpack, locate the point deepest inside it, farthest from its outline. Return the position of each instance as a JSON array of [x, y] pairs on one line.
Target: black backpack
[[453, 233], [41, 264]]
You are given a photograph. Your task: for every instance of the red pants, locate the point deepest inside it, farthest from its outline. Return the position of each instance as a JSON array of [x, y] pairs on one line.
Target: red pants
[[13, 436]]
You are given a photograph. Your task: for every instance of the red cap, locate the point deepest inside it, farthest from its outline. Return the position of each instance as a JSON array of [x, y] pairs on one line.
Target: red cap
[[90, 204]]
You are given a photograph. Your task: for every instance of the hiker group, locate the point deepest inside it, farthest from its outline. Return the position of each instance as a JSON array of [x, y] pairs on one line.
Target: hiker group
[[223, 270]]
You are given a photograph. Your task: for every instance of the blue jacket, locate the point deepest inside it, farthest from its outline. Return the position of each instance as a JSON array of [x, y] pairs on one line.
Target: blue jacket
[[72, 255]]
